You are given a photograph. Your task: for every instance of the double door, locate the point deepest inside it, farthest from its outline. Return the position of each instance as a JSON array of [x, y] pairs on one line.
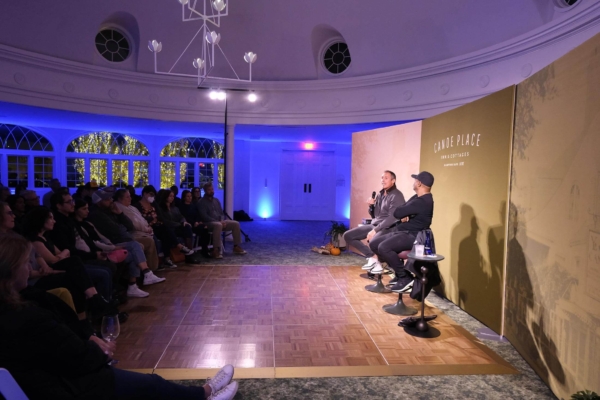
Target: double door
[[307, 185]]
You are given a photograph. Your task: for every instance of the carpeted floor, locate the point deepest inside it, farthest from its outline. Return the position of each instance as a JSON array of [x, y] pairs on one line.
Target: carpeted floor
[[289, 243]]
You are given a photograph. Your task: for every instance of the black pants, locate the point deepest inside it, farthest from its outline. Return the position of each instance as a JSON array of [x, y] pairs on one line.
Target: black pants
[[388, 246], [75, 279], [133, 385], [167, 237]]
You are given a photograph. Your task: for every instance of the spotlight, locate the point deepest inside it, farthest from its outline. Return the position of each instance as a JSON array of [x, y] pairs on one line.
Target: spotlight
[[221, 95], [213, 95], [252, 97]]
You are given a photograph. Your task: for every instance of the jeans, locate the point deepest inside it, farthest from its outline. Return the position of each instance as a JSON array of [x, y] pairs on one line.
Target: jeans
[[387, 247], [101, 276], [135, 256], [133, 385]]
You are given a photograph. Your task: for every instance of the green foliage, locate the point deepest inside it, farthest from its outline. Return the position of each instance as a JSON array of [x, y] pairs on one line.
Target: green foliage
[[336, 229], [585, 395]]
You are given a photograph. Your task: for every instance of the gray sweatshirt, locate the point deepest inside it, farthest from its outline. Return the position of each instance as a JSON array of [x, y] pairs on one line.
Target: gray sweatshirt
[[385, 204]]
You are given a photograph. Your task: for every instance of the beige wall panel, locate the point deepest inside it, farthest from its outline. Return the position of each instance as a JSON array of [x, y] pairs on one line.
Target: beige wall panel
[[468, 152], [553, 263], [395, 148]]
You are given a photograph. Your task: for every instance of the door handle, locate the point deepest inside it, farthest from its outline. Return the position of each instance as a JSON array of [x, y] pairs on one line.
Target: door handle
[[305, 188], [310, 188]]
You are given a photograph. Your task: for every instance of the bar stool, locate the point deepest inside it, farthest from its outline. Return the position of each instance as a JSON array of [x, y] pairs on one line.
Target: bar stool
[[400, 308]]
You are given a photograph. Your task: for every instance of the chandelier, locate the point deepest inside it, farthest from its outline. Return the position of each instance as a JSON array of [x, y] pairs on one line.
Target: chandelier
[[210, 13]]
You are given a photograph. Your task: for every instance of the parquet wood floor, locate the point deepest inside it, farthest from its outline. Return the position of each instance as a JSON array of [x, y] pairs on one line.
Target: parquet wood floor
[[283, 321]]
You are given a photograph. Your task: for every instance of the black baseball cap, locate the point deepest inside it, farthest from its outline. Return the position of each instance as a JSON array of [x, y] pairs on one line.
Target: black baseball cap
[[425, 178]]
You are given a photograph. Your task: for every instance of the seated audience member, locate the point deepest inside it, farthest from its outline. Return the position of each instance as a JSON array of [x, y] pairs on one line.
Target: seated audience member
[[95, 240], [86, 192], [54, 188], [211, 215], [195, 194], [383, 219], [110, 221], [134, 197], [32, 200], [57, 268], [176, 200], [52, 357], [17, 205], [190, 212], [7, 218], [171, 217], [142, 232], [165, 234], [415, 216]]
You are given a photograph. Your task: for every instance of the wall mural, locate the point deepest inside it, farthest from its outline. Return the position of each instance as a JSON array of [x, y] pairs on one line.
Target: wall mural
[[552, 313]]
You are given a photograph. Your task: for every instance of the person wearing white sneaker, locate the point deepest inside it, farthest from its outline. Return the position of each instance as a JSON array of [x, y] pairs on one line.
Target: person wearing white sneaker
[[381, 208], [151, 279], [377, 268], [134, 291]]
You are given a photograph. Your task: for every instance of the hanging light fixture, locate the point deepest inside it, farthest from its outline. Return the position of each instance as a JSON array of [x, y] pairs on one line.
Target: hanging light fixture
[[209, 12]]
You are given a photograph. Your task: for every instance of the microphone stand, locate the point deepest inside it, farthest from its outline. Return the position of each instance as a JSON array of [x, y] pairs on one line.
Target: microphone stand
[[246, 237]]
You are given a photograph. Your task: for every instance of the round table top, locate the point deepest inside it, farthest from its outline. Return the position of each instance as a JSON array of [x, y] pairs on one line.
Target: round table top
[[431, 258]]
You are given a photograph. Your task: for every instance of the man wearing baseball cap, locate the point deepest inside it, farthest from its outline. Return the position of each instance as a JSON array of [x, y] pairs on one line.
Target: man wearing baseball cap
[[414, 216]]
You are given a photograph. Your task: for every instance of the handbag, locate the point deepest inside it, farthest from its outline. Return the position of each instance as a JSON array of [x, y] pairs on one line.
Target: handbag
[[117, 256]]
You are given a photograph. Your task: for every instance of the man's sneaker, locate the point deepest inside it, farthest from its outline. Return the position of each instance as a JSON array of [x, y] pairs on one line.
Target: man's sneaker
[[403, 285], [238, 250], [186, 251], [135, 291], [151, 279], [221, 378], [226, 393], [370, 262], [377, 268], [167, 264], [393, 281]]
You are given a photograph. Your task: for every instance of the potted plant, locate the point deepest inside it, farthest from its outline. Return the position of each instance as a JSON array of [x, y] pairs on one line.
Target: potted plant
[[336, 233]]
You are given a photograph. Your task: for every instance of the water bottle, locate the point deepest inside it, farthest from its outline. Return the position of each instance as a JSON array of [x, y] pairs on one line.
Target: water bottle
[[427, 249]]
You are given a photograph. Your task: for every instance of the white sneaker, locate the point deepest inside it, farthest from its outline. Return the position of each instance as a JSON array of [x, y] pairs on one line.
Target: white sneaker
[[377, 268], [186, 251], [151, 279], [226, 393], [135, 291], [370, 262], [221, 378]]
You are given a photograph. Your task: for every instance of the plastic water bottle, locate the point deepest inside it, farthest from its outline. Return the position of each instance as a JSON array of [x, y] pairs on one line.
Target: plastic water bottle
[[428, 251]]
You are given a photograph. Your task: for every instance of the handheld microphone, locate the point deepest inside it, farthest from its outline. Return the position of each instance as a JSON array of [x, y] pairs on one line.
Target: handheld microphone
[[372, 206]]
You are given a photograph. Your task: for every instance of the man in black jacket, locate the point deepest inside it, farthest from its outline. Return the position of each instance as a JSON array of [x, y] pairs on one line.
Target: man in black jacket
[[414, 216]]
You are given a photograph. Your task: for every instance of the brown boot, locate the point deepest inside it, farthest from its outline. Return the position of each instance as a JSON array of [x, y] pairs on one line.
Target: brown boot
[[238, 250], [216, 253]]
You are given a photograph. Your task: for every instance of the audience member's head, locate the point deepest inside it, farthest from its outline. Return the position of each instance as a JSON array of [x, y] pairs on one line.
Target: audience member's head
[[7, 217], [81, 209], [175, 190], [62, 202], [186, 197], [131, 191], [31, 199], [123, 196], [38, 221], [164, 198], [14, 268], [4, 193], [90, 187], [17, 204], [149, 193], [195, 194], [55, 185], [209, 190], [103, 198]]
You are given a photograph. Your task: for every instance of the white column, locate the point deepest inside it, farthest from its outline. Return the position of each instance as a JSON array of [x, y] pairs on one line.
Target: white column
[[229, 173]]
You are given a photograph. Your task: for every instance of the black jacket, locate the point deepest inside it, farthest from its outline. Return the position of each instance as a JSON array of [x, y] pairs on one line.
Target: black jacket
[[434, 277], [50, 361], [64, 236], [115, 227]]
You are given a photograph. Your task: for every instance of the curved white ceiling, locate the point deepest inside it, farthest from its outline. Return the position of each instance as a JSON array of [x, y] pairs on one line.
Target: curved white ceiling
[[410, 59]]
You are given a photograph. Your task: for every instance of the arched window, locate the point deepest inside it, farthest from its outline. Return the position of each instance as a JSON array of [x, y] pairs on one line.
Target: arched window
[[18, 166], [192, 162], [109, 159]]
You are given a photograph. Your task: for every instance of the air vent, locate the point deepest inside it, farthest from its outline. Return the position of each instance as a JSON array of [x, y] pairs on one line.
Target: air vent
[[112, 45], [336, 58]]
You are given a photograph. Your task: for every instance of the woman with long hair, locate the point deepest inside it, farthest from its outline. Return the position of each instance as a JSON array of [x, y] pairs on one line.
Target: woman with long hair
[[170, 215], [51, 361]]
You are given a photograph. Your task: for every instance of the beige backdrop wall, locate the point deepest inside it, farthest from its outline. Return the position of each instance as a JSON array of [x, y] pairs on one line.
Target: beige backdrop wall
[[468, 152], [553, 267], [395, 148]]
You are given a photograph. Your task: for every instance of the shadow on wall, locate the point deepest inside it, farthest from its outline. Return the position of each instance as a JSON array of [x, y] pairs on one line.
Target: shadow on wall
[[524, 316]]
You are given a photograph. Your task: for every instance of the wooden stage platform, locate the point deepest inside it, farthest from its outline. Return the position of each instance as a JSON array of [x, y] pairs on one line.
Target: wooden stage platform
[[286, 322]]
